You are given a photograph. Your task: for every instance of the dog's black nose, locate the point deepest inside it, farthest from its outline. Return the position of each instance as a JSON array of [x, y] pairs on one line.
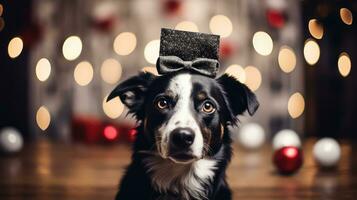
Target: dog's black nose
[[182, 137]]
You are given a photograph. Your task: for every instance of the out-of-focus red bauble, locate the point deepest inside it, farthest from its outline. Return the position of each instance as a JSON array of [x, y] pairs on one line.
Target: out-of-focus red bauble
[[226, 49], [288, 159], [104, 24], [275, 18], [172, 7]]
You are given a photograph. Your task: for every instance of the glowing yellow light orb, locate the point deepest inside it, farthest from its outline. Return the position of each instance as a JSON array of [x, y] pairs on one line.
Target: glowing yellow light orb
[[286, 59], [344, 64], [221, 25], [151, 70], [296, 105], [83, 73], [1, 9], [346, 16], [236, 71], [125, 43], [187, 26], [43, 69], [311, 52], [15, 47], [316, 29], [113, 108], [72, 47], [262, 43], [43, 118], [253, 77], [151, 51], [111, 71]]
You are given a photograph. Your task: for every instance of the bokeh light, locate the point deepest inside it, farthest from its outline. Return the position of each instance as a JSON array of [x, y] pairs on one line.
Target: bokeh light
[[221, 25], [253, 77], [15, 47], [344, 64], [151, 51], [83, 73], [124, 43], [316, 29], [236, 71], [113, 108], [43, 118], [286, 59], [187, 26], [111, 71], [1, 9], [150, 69], [110, 133], [296, 105], [262, 43], [72, 47], [346, 16], [311, 52], [43, 69]]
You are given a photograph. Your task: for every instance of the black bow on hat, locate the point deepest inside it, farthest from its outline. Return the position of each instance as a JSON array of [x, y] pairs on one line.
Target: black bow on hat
[[191, 51], [204, 66]]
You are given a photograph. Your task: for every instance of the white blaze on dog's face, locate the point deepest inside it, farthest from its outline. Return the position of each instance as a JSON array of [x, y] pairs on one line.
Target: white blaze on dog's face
[[182, 118]]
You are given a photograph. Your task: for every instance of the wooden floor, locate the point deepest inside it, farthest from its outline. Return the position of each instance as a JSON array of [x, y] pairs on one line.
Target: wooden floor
[[54, 171]]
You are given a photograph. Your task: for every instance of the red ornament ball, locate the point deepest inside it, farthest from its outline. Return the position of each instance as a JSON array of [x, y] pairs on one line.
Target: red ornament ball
[[288, 159], [226, 49], [172, 7], [105, 24], [275, 18]]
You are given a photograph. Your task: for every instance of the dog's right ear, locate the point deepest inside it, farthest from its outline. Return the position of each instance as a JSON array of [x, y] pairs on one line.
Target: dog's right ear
[[132, 91]]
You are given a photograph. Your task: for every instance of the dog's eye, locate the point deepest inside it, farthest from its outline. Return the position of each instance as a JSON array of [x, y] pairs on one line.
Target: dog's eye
[[208, 108], [162, 103]]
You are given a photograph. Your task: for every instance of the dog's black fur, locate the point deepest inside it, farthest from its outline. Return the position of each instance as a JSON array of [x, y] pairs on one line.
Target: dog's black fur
[[139, 93]]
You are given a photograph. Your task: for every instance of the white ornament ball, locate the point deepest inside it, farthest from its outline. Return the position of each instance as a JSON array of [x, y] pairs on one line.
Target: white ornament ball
[[10, 140], [251, 136], [285, 138], [327, 152]]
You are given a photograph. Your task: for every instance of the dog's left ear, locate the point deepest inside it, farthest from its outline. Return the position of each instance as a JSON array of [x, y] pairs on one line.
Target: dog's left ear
[[132, 91], [239, 96]]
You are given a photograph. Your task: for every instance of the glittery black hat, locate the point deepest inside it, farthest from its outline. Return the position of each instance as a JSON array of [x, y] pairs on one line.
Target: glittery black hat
[[189, 46]]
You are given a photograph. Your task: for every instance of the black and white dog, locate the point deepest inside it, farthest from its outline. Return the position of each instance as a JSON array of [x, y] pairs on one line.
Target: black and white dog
[[183, 145]]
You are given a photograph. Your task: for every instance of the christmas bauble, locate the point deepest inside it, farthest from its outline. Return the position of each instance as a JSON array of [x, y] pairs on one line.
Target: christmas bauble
[[286, 137], [251, 136], [10, 140], [288, 159], [226, 49], [327, 152]]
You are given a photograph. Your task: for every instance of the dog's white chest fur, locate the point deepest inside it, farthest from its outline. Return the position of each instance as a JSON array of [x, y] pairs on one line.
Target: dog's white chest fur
[[184, 180]]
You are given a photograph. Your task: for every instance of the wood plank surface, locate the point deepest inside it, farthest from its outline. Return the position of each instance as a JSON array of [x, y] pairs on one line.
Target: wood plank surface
[[45, 170]]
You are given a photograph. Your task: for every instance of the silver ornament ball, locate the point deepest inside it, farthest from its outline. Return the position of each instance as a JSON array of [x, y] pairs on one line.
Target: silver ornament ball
[[285, 138], [327, 152], [10, 140]]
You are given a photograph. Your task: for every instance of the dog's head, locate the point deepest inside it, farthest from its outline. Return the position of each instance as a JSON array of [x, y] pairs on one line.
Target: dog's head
[[185, 115]]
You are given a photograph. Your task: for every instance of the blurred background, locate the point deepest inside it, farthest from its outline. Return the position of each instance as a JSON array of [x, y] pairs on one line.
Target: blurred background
[[60, 59]]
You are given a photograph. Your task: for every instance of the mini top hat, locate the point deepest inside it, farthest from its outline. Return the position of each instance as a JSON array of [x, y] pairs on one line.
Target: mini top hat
[[182, 50]]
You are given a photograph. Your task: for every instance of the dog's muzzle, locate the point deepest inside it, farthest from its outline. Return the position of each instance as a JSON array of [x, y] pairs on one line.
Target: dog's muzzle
[[180, 142]]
